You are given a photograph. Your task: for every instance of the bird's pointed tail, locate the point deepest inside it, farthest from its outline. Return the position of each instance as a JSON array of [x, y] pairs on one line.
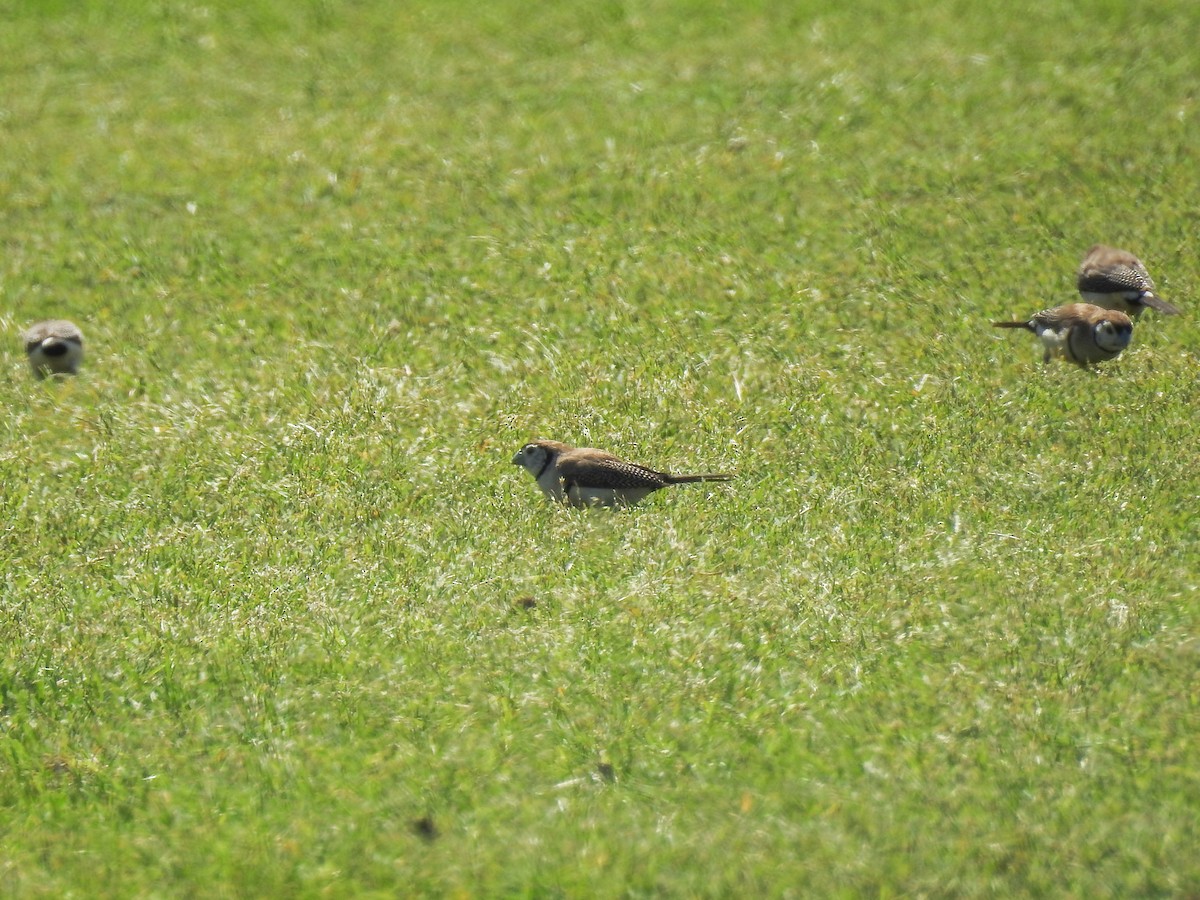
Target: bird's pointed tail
[[691, 479]]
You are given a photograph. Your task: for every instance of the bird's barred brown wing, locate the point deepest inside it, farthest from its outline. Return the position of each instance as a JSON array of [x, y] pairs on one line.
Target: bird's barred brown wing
[[1061, 316], [1114, 278], [597, 469]]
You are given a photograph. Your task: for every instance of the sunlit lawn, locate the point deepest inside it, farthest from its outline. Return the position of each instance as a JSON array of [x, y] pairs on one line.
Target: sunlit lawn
[[280, 618]]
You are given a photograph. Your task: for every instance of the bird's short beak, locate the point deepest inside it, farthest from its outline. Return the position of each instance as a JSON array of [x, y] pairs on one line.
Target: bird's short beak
[[516, 460]]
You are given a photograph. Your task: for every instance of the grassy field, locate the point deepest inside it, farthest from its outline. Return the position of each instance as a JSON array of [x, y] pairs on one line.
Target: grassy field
[[279, 618]]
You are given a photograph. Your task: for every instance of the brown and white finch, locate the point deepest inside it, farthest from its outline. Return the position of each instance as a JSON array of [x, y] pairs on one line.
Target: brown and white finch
[[54, 347], [583, 476], [1079, 332], [1116, 279]]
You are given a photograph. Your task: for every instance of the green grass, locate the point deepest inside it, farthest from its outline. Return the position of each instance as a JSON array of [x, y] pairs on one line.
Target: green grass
[[278, 617]]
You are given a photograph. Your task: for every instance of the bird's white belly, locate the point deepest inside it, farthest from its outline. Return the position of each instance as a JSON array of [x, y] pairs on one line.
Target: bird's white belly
[[590, 496], [1055, 342], [1122, 301], [577, 495]]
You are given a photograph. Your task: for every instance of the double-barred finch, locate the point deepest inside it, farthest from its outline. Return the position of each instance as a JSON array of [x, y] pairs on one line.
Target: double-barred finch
[[583, 476], [53, 347], [1116, 279], [1080, 332]]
